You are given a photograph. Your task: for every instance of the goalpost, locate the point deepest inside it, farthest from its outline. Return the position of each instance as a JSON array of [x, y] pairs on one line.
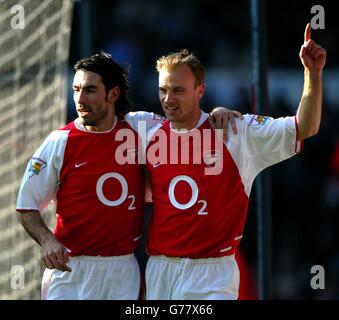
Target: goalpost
[[34, 48]]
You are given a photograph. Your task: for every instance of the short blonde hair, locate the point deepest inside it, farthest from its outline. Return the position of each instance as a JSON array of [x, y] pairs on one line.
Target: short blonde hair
[[180, 58]]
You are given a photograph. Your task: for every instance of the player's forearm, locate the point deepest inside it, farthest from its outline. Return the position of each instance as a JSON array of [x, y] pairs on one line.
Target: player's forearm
[[309, 110], [35, 226]]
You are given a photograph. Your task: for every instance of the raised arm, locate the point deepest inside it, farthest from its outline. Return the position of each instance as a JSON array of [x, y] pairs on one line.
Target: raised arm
[[313, 58]]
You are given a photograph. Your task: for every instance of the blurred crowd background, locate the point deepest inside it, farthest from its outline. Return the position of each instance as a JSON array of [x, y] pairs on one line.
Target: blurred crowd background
[[305, 189]]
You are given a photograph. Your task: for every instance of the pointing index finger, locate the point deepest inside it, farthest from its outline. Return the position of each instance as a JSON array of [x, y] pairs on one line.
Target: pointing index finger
[[307, 35]]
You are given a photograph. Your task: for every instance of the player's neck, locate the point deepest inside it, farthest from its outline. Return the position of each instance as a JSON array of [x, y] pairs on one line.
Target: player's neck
[[102, 125], [189, 123]]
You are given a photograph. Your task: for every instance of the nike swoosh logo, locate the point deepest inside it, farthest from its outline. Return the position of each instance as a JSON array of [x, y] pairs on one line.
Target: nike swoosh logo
[[77, 165], [157, 165]]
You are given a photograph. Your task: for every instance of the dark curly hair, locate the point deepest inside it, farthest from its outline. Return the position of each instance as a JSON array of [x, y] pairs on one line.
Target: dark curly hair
[[112, 75]]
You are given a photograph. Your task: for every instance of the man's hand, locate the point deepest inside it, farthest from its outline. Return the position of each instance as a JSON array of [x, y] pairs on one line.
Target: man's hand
[[54, 254], [219, 118], [312, 55]]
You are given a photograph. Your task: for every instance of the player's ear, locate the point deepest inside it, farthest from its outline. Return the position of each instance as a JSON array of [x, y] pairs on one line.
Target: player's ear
[[113, 94], [201, 90]]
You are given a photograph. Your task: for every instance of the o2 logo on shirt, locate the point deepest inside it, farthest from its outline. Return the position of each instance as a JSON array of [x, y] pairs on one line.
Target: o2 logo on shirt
[[194, 198], [124, 192]]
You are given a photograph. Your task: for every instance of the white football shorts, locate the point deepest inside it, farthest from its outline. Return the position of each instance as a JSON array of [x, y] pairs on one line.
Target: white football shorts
[[94, 278], [171, 278]]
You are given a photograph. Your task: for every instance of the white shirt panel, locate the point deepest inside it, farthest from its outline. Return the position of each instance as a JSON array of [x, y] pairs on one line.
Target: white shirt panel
[[260, 143], [41, 179]]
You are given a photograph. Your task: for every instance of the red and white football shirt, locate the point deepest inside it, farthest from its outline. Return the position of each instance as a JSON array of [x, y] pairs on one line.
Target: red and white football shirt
[[203, 216], [100, 202]]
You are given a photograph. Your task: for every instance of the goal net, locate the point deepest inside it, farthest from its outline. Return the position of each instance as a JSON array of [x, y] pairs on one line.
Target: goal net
[[34, 47]]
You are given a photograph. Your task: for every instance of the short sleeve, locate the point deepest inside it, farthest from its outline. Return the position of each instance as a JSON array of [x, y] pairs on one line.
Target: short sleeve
[[263, 141], [41, 178]]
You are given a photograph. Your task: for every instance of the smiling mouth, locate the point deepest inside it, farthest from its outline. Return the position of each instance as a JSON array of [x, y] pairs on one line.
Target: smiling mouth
[[171, 108]]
